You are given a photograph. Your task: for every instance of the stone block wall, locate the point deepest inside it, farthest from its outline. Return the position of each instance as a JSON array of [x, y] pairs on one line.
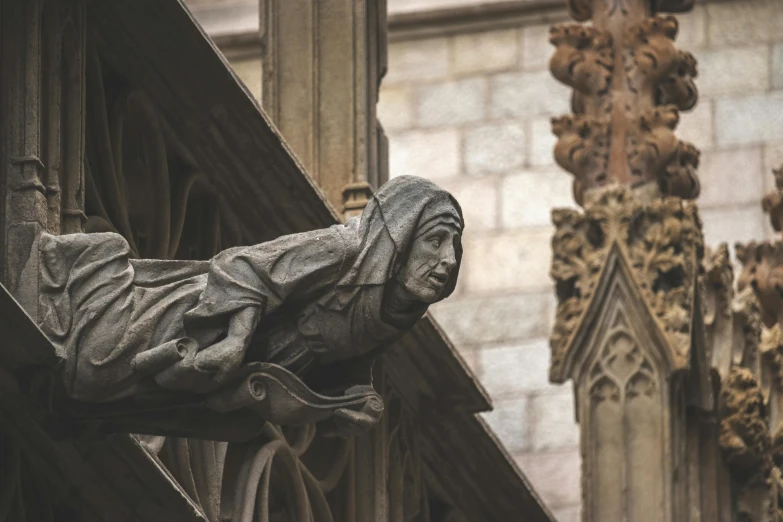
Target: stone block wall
[[471, 110]]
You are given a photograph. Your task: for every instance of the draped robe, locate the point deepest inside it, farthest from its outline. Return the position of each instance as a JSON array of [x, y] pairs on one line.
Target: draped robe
[[320, 294]]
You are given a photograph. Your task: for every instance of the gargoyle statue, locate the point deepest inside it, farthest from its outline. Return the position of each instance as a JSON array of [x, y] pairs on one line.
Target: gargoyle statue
[[284, 331]]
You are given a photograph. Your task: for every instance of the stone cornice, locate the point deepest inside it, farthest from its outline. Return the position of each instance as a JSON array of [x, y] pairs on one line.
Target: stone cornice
[[481, 17]]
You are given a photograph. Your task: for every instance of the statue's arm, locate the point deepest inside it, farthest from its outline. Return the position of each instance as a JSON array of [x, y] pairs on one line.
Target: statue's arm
[[226, 355], [268, 275], [245, 284]]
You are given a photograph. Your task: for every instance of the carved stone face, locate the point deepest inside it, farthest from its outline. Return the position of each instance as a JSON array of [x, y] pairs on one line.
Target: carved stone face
[[432, 257]]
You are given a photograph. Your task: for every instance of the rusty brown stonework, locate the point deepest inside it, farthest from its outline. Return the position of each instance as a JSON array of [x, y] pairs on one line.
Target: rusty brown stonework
[[677, 376], [630, 82]]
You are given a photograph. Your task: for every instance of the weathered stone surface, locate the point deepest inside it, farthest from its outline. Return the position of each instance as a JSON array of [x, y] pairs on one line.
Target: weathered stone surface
[[509, 370], [452, 103], [555, 476], [249, 71], [536, 50], [484, 52], [524, 95], [733, 70], [553, 420], [572, 514], [773, 159], [697, 126], [741, 23], [478, 198], [507, 261], [749, 120], [395, 108], [417, 60], [496, 319], [733, 225], [693, 29], [552, 189], [777, 66], [542, 143], [510, 421], [720, 182], [433, 154], [494, 148]]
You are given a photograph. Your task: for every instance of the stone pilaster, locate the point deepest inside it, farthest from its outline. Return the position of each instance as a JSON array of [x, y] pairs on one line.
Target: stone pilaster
[[323, 61], [43, 128]]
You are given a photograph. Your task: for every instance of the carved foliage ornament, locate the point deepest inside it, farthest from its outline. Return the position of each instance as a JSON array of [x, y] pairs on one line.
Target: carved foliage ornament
[[745, 441], [663, 246], [762, 270], [628, 89], [583, 59]]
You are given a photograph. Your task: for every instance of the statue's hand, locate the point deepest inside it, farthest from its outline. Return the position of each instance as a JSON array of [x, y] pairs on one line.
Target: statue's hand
[[225, 357], [222, 358]]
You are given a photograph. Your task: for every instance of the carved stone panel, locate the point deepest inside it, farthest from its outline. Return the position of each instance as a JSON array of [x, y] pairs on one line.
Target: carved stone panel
[[661, 243], [622, 385]]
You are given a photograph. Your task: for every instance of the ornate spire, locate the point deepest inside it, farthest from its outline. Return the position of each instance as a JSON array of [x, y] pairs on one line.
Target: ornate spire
[[629, 330], [630, 82]]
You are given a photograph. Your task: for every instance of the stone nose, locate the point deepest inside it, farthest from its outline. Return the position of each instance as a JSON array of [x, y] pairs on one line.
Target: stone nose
[[448, 258]]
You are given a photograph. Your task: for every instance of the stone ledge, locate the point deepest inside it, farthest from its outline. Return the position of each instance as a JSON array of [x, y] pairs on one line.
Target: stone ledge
[[445, 21]]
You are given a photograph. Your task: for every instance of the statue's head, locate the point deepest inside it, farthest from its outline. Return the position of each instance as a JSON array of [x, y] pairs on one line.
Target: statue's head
[[411, 234], [432, 257]]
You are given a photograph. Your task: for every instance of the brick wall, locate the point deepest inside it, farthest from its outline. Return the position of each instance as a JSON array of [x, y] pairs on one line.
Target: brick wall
[[471, 111]]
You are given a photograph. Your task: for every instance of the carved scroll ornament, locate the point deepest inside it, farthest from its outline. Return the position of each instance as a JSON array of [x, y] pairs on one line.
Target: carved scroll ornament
[[583, 150], [663, 246], [583, 59], [657, 69]]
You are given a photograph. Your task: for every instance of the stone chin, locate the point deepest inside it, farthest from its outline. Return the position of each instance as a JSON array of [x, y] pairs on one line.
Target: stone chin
[[426, 291]]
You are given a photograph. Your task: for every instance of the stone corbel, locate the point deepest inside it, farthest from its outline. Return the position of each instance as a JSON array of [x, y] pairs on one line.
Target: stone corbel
[[236, 412]]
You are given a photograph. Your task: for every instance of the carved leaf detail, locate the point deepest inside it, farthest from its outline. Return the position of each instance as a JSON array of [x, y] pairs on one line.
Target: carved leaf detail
[[662, 242]]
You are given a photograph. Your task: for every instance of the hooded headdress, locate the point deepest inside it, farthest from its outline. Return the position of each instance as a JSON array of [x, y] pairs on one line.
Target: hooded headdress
[[398, 213]]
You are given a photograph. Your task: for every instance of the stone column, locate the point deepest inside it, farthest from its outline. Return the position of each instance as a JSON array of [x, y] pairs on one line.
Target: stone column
[[24, 198], [43, 132], [323, 61], [629, 330]]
